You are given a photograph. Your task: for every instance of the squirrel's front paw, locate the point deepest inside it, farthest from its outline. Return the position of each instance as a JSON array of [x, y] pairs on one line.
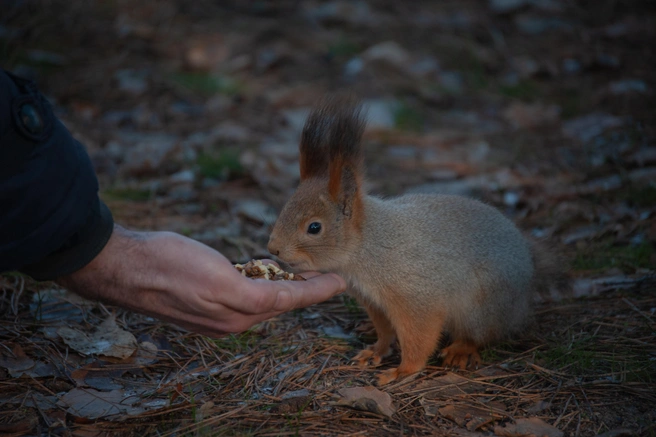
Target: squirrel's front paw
[[462, 355]]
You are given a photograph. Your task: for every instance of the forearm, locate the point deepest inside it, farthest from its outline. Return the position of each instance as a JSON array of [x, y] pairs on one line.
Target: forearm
[[138, 271], [112, 264], [135, 270]]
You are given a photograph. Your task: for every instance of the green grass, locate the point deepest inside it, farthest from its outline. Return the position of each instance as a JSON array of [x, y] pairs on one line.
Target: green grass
[[238, 343], [589, 358], [351, 304], [133, 194], [577, 357], [634, 368], [606, 255], [489, 355], [220, 164], [207, 84]]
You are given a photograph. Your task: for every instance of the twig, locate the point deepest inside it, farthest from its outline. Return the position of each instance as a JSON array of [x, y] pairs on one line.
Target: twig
[[571, 396], [635, 308]]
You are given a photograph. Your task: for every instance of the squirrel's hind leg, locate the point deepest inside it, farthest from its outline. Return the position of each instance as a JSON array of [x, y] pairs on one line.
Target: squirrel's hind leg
[[385, 332], [462, 354], [418, 340]]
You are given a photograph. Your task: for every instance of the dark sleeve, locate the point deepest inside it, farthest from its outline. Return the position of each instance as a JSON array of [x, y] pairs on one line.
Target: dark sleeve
[[52, 222]]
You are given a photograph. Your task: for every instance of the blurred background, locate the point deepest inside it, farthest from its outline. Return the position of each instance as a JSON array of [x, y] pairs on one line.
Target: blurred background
[[191, 111]]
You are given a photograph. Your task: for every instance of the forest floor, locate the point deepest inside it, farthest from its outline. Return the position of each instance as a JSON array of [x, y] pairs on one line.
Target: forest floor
[[191, 112]]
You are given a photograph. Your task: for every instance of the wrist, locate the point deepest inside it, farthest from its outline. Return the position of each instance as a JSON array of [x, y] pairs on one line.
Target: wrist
[[114, 271]]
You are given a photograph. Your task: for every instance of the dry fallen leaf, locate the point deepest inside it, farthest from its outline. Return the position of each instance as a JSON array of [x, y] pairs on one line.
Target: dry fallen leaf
[[20, 364], [532, 427], [22, 426], [204, 411], [93, 404], [98, 376], [108, 340], [367, 399], [292, 405]]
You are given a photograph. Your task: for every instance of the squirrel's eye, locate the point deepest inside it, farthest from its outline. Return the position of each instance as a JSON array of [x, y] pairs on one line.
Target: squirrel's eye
[[314, 228]]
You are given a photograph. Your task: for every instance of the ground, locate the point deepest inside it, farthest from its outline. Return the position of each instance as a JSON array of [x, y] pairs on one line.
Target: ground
[[191, 112]]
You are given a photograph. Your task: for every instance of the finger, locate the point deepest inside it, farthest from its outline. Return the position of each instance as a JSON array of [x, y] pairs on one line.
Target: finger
[[281, 296], [309, 275], [302, 294]]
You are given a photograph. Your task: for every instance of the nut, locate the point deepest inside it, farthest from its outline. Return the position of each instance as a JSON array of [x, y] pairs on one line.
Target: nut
[[255, 269]]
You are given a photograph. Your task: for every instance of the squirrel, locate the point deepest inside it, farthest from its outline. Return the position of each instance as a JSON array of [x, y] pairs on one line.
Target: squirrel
[[422, 265]]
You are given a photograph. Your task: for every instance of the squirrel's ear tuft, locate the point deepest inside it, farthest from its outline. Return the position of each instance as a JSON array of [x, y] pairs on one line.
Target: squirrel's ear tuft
[[314, 144], [346, 127], [332, 133], [330, 148]]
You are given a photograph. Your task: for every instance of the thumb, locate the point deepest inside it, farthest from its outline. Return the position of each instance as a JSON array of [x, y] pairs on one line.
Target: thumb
[[299, 294]]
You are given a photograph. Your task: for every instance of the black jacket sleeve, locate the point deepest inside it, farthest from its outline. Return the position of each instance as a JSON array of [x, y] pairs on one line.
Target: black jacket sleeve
[[52, 221]]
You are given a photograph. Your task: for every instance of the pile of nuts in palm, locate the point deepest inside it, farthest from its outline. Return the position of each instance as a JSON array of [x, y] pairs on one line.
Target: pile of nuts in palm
[[256, 269]]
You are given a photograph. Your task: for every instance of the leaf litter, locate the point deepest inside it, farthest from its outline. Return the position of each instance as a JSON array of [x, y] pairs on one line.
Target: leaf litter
[[191, 111]]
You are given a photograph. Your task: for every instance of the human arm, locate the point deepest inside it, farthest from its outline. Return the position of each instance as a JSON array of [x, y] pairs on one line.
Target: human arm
[[180, 280]]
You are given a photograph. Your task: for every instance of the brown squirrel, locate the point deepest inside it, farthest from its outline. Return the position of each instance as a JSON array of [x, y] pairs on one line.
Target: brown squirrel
[[421, 265]]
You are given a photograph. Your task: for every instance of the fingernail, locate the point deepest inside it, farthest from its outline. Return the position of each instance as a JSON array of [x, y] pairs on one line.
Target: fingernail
[[309, 275], [342, 282]]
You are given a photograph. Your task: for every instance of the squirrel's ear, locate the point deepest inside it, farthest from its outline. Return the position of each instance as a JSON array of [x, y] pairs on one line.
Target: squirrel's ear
[[346, 159], [313, 147]]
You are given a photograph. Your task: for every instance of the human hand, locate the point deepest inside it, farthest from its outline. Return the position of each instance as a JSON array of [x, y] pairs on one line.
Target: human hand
[[174, 278]]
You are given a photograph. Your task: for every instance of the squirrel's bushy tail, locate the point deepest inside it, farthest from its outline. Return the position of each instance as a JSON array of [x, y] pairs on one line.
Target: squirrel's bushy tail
[[550, 278]]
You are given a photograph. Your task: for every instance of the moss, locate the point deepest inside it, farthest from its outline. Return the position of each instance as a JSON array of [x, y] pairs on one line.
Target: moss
[[526, 90], [343, 48], [408, 118]]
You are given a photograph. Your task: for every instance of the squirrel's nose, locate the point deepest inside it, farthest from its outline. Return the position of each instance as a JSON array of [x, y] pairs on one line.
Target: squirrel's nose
[[273, 248]]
